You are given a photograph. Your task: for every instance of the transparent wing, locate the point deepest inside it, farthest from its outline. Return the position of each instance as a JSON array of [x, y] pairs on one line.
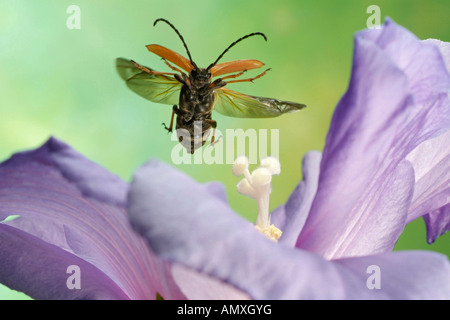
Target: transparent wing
[[154, 87], [235, 104]]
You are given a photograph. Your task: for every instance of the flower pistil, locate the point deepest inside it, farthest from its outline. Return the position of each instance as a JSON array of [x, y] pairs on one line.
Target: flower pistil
[[258, 186]]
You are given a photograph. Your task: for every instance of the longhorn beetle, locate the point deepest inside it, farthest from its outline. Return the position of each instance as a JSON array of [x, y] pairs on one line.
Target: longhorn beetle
[[196, 94]]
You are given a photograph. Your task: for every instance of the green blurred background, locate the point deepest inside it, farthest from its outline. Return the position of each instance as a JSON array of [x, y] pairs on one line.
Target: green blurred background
[[61, 82]]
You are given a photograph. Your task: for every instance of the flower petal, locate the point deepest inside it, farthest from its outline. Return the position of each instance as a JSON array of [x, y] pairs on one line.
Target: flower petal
[[431, 163], [40, 269], [397, 98], [72, 203], [203, 233], [199, 286], [403, 275], [444, 48], [291, 216], [438, 223]]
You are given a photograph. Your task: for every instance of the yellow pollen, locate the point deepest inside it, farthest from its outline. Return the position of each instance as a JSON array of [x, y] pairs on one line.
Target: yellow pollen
[[271, 232]]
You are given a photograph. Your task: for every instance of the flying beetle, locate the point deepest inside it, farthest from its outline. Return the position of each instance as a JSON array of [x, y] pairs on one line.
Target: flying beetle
[[195, 95]]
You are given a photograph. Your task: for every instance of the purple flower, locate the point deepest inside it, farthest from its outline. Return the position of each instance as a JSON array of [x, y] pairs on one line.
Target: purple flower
[[65, 234], [385, 163], [72, 213]]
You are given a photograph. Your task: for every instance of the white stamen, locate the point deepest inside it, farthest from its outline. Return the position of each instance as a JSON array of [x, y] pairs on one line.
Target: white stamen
[[273, 164], [258, 186], [240, 165], [245, 188], [261, 177]]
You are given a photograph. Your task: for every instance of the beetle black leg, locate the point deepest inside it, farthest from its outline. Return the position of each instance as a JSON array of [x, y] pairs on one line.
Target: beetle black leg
[[174, 110], [213, 124], [216, 84], [182, 78]]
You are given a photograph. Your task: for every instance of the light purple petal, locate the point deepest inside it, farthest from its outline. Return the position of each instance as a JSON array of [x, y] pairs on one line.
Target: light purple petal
[[199, 286], [444, 48], [69, 202], [404, 275], [437, 222], [431, 163], [201, 232], [291, 216], [397, 98], [41, 269], [91, 179]]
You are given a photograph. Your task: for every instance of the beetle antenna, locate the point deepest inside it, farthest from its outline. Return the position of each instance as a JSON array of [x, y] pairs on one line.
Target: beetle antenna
[[181, 37], [234, 43]]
